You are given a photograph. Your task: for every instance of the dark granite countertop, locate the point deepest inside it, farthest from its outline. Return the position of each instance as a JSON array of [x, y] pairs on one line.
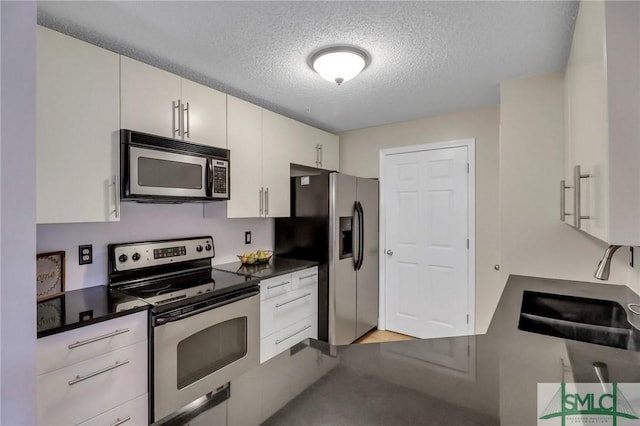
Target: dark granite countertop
[[276, 266], [489, 379], [79, 308]]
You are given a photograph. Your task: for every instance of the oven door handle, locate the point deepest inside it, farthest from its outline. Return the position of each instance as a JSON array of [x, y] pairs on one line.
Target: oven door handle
[[166, 320]]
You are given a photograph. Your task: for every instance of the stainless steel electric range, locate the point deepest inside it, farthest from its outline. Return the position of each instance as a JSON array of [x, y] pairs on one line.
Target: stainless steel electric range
[[205, 324]]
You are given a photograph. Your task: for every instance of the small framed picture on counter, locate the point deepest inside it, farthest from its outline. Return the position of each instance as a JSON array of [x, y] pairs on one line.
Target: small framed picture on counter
[[50, 275]]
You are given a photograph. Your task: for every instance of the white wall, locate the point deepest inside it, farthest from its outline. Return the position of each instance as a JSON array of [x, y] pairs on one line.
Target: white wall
[[359, 155], [142, 222], [533, 240], [17, 214]]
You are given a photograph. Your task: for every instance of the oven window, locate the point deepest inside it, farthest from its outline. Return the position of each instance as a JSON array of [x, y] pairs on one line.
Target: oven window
[[210, 350], [169, 174]]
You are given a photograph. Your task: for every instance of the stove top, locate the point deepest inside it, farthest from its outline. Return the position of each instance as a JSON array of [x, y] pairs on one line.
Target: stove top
[[190, 287], [170, 274]]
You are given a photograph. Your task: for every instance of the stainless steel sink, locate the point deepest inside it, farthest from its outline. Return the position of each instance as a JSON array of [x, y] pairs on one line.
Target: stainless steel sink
[[603, 322]]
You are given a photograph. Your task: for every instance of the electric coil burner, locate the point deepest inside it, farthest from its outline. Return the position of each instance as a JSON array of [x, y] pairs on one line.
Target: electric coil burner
[[205, 323]]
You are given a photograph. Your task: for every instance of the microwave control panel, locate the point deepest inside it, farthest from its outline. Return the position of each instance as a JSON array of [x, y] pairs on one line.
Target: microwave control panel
[[220, 177]]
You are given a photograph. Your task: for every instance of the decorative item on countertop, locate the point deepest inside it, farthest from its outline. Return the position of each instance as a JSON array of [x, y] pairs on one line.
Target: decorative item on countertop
[[259, 256], [50, 274]]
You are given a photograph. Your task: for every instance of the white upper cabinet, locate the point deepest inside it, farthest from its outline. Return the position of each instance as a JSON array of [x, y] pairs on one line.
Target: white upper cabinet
[[77, 130], [204, 113], [313, 147], [602, 136], [158, 102], [149, 99], [259, 161], [244, 124], [276, 152]]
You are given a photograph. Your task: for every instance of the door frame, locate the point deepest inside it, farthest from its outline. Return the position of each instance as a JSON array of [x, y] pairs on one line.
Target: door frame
[[471, 182]]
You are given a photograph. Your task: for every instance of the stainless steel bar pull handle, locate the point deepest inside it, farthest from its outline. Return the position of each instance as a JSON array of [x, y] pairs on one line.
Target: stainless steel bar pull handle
[[317, 155], [79, 379], [292, 300], [185, 110], [175, 111], [293, 334], [120, 421], [261, 200], [116, 196], [563, 189], [266, 201], [269, 287], [308, 276], [95, 339], [577, 213], [320, 149]]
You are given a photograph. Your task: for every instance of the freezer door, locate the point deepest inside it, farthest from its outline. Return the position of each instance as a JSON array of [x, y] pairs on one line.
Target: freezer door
[[367, 275], [342, 274]]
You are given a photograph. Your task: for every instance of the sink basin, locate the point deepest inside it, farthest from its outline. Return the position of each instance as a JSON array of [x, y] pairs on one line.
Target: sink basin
[[603, 322]]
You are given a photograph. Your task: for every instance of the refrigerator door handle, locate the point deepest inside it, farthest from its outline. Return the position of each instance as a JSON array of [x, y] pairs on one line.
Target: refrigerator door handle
[[355, 244], [360, 235]]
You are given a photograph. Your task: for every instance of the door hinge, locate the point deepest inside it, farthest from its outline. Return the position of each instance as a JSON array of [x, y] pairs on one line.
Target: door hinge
[[468, 350], [467, 318], [467, 168], [467, 244]]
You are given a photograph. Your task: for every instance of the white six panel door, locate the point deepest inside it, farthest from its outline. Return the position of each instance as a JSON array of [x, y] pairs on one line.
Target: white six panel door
[[426, 201]]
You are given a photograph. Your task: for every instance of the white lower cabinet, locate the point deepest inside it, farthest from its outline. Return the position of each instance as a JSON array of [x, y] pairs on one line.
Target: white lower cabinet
[[132, 413], [74, 346], [274, 287], [279, 312], [288, 311], [285, 338], [73, 394], [95, 374]]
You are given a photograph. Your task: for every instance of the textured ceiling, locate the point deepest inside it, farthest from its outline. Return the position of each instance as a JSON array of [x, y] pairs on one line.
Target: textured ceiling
[[426, 57]]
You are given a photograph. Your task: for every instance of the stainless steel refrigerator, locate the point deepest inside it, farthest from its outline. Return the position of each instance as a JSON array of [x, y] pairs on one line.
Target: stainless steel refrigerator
[[334, 221]]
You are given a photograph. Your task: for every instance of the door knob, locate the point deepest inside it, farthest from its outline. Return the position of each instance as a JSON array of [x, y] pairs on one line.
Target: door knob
[[390, 252]]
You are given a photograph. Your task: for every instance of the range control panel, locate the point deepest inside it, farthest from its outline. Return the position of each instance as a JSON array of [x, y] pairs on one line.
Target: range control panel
[[155, 253]]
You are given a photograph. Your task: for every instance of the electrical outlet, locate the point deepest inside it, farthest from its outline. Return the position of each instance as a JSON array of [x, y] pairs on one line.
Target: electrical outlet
[[247, 237], [85, 254]]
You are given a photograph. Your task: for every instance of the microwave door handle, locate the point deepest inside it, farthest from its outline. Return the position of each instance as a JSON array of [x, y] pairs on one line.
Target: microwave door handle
[[209, 177]]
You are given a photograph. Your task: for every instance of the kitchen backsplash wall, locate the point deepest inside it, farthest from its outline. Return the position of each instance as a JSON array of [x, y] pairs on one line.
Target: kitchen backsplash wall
[[141, 222]]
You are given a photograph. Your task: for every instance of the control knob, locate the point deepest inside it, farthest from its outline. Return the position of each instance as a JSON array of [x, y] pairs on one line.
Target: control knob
[[199, 248], [208, 247], [135, 257], [123, 258]]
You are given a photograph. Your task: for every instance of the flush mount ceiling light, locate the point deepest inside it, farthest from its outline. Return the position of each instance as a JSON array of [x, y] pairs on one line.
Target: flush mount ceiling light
[[338, 64]]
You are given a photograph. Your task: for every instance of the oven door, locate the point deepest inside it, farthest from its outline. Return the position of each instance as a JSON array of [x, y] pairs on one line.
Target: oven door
[[167, 174], [197, 354]]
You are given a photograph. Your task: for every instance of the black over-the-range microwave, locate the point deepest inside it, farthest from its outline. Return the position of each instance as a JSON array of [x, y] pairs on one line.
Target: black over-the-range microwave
[[158, 169]]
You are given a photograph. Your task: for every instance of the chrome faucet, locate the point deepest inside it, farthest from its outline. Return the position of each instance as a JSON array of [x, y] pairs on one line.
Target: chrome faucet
[[602, 272]]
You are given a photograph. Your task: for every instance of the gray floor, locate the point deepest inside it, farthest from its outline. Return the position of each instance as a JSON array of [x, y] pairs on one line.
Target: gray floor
[[344, 397]]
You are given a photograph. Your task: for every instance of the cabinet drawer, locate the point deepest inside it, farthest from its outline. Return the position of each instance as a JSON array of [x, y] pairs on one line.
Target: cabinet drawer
[[275, 286], [284, 310], [306, 277], [288, 337], [64, 349], [81, 391], [132, 413]]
